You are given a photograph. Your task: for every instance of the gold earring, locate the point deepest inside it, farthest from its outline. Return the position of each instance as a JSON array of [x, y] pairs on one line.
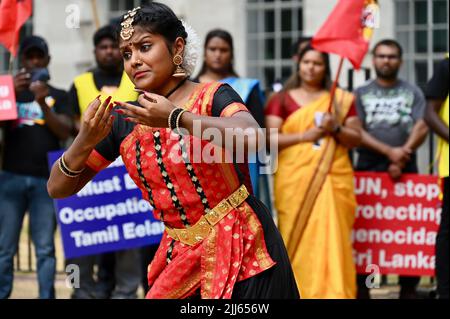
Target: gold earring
[[179, 72]]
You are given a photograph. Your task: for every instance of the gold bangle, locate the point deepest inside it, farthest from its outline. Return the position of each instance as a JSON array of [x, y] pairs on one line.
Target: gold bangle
[[63, 170], [178, 120], [68, 169]]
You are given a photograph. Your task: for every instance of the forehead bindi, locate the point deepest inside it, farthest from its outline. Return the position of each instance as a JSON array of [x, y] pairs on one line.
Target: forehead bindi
[[135, 41]]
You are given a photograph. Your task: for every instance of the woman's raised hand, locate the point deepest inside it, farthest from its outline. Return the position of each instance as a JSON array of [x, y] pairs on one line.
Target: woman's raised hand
[[329, 123], [154, 110], [97, 122]]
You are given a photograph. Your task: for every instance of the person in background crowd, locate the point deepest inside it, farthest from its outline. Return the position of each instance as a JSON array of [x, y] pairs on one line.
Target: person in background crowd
[[314, 193], [297, 48], [218, 66], [119, 273], [437, 117], [392, 113], [44, 122]]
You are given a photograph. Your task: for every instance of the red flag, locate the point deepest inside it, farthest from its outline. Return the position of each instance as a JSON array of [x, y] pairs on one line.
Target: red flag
[[13, 14], [348, 30]]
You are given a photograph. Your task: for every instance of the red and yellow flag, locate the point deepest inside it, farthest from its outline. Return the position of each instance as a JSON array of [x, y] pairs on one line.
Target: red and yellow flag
[[13, 14], [348, 30]]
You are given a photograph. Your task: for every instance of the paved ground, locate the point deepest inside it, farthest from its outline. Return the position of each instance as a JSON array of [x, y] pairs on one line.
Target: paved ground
[[25, 283], [25, 287], [25, 280]]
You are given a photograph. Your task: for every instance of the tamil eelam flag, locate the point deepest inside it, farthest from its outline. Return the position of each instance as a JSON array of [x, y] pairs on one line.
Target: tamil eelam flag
[[13, 14], [348, 30]]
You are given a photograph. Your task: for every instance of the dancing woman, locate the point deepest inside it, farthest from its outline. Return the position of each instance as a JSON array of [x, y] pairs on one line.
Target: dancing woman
[[220, 241]]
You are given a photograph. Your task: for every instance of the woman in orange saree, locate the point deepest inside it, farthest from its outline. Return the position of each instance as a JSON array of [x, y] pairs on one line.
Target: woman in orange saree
[[314, 193]]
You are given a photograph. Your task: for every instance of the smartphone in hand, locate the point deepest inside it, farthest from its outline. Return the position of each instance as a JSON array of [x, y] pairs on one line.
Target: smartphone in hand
[[40, 74]]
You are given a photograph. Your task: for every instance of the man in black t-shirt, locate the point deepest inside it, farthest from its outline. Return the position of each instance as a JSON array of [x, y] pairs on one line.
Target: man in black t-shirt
[[392, 112], [44, 121], [437, 117]]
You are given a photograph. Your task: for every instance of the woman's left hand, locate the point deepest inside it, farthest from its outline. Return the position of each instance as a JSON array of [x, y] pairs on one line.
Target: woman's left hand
[[154, 111], [329, 123]]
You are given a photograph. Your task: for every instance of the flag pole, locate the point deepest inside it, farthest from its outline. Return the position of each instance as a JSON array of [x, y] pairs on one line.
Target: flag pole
[[95, 14], [335, 84], [11, 63]]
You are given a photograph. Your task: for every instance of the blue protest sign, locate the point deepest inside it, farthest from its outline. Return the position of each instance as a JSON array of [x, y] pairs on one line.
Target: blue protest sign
[[108, 214]]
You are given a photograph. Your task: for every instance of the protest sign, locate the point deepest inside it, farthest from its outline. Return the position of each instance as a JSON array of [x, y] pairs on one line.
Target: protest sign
[[108, 214]]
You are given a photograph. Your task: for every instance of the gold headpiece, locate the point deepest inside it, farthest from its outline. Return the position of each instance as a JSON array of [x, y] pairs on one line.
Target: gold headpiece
[[127, 25]]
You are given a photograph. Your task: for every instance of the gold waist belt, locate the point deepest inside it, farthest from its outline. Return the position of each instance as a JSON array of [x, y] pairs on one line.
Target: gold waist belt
[[196, 233]]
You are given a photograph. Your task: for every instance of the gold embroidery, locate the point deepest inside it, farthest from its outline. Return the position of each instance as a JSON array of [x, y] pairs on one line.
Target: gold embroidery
[[264, 261], [210, 264], [232, 109], [191, 102], [186, 288]]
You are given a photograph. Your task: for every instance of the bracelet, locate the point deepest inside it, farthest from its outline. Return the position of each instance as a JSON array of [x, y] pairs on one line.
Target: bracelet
[[68, 169], [337, 130], [169, 119], [65, 171], [173, 117], [178, 122]]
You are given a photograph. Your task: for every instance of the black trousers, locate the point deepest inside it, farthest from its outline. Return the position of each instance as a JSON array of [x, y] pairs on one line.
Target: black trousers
[[147, 255], [442, 254]]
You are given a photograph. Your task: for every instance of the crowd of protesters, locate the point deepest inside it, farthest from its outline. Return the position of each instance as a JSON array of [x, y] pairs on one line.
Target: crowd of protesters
[[386, 120]]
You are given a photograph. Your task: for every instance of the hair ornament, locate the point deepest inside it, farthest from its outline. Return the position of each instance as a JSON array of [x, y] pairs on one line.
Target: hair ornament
[[127, 25]]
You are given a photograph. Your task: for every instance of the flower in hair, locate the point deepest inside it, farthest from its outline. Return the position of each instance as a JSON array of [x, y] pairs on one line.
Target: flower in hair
[[192, 49]]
